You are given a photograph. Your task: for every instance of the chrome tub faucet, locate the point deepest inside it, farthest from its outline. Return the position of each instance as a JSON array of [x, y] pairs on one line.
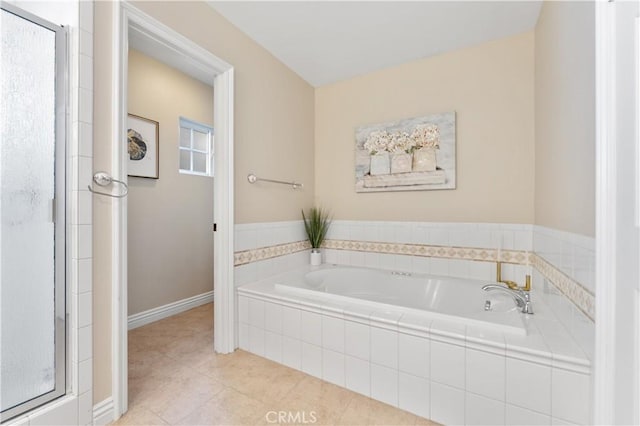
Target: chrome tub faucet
[[520, 296]]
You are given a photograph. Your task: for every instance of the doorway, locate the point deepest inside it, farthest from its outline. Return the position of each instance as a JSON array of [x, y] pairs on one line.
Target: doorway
[[170, 134], [178, 51]]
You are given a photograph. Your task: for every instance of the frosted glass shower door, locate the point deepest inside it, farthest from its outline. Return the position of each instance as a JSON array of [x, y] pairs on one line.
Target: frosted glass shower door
[[32, 183]]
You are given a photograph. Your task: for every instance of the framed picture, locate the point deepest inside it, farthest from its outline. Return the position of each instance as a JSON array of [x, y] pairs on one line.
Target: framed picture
[[415, 154], [142, 147]]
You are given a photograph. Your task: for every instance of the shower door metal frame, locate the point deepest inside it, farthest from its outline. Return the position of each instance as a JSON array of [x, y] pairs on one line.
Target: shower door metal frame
[[59, 213]]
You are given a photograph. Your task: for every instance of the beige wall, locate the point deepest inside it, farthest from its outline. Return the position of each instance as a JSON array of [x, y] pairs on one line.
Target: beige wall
[[274, 132], [565, 117], [170, 245], [273, 113], [490, 87]]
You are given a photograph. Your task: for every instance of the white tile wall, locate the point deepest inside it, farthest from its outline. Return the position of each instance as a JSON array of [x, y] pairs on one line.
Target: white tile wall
[[256, 313], [517, 416], [528, 385], [384, 384], [573, 254], [255, 271], [243, 336], [256, 235], [422, 375], [485, 374], [447, 404], [357, 340], [413, 354], [560, 422], [85, 408], [506, 236], [384, 347], [483, 411], [291, 322], [333, 367], [420, 369], [358, 375], [85, 374], [570, 396], [273, 317], [256, 340], [447, 363], [273, 346], [488, 235], [311, 326], [333, 334], [85, 343], [311, 360], [414, 394], [60, 412], [291, 352]]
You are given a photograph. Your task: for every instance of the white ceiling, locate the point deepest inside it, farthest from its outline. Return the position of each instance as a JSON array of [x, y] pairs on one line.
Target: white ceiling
[[329, 41]]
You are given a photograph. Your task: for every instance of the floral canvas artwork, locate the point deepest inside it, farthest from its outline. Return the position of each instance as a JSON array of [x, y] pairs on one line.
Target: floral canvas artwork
[[407, 155]]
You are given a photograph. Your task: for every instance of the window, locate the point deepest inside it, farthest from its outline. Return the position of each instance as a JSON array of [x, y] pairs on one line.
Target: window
[[196, 148]]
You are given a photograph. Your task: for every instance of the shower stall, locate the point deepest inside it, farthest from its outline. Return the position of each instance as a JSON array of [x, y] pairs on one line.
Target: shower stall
[[33, 118]]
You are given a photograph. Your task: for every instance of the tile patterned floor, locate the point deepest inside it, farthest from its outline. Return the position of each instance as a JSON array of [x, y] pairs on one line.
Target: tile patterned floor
[[175, 378]]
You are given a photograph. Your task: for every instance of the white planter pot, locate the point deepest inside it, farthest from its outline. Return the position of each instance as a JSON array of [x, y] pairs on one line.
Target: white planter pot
[[424, 160], [400, 163], [380, 164], [315, 258]]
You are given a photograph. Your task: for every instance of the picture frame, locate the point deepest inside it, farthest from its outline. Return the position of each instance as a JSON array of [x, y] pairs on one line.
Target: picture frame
[[143, 137], [414, 154]]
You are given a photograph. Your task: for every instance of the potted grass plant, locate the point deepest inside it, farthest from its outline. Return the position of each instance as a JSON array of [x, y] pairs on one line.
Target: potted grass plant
[[316, 224]]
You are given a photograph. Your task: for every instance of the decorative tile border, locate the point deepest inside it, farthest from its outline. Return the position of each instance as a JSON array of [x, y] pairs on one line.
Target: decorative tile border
[[423, 250], [572, 289], [264, 253]]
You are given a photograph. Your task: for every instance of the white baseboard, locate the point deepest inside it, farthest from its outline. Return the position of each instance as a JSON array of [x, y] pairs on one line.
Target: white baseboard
[[155, 314], [103, 412]]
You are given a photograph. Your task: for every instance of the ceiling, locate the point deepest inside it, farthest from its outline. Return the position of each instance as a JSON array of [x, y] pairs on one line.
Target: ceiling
[[329, 41]]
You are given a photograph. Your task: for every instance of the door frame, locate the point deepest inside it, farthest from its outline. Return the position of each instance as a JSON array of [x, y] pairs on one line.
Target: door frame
[[610, 328], [604, 365], [126, 16]]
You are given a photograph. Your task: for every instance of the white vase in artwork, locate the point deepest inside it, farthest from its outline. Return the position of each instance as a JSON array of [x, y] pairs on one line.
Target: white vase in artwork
[[380, 164], [400, 163], [315, 258], [424, 160]]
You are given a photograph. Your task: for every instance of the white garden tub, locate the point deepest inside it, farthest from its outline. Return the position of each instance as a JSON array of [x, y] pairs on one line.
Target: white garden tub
[[421, 343], [453, 299]]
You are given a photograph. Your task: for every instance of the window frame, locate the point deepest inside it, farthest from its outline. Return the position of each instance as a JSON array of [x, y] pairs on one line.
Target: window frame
[[194, 126]]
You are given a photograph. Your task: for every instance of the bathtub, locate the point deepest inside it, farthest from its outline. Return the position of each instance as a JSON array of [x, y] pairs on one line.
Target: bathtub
[[422, 343], [445, 298]]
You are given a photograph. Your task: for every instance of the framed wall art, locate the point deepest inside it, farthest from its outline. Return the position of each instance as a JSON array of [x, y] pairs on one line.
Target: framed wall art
[[414, 154], [143, 147]]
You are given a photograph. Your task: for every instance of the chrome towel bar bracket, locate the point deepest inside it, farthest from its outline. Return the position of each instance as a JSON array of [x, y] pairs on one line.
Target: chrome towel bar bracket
[[105, 179]]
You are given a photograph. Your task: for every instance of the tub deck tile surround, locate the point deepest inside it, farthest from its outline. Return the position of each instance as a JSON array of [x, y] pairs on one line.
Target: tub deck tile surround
[[468, 250], [533, 359]]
